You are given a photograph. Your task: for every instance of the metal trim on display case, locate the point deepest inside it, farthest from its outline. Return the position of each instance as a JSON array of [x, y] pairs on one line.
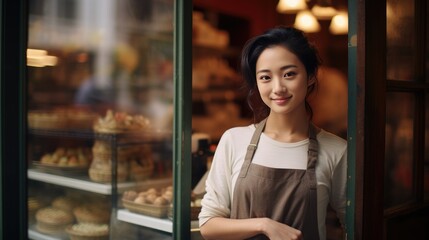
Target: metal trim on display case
[[182, 119], [13, 165], [351, 125]]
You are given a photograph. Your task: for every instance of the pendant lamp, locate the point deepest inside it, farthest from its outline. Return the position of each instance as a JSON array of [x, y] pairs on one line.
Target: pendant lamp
[[291, 6], [339, 24], [306, 22]]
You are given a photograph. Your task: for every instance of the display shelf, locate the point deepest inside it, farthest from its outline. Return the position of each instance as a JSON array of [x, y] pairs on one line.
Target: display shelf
[[165, 225], [162, 224], [120, 139], [81, 184], [35, 235]]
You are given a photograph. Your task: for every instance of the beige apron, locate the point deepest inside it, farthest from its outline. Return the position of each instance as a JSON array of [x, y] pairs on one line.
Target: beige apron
[[285, 195]]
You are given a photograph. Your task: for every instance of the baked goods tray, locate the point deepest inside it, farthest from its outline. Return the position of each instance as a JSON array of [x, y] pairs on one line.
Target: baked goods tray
[[146, 209], [34, 234], [63, 170], [75, 235], [195, 211]]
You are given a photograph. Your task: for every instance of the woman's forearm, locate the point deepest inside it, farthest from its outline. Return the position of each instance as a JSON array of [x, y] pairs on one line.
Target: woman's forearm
[[226, 228]]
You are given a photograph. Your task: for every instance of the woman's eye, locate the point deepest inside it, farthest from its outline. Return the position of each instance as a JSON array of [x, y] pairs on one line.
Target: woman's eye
[[264, 77], [289, 74]]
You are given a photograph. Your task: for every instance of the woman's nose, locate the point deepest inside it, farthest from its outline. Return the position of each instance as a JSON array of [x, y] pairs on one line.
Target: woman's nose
[[278, 86]]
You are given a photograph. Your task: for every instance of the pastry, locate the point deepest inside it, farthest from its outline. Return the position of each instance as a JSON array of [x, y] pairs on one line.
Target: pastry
[[88, 231], [53, 220], [64, 203], [102, 150], [33, 205], [119, 122], [92, 213], [101, 171], [68, 157], [61, 118]]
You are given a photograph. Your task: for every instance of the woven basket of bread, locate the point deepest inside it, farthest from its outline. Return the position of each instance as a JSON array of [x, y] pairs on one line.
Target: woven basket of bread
[[146, 209], [102, 176], [88, 231]]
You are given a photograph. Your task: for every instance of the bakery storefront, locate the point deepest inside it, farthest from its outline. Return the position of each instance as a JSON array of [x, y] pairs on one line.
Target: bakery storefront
[[111, 111], [97, 105]]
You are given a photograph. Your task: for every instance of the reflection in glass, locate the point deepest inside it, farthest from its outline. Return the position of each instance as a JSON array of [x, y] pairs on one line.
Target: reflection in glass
[[399, 172], [100, 97], [400, 50]]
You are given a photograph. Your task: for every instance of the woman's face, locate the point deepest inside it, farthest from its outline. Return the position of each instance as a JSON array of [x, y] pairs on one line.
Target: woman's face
[[282, 80]]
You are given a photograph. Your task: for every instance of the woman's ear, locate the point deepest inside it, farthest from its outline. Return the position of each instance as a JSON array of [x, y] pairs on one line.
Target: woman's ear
[[311, 81]]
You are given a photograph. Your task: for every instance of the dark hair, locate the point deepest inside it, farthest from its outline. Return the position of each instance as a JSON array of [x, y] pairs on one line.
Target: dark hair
[[295, 41]]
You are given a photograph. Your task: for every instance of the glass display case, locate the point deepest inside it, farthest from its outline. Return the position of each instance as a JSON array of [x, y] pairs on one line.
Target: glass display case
[[101, 111]]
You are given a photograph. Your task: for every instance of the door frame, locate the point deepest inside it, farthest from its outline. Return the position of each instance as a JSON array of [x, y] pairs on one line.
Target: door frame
[[367, 76], [13, 198]]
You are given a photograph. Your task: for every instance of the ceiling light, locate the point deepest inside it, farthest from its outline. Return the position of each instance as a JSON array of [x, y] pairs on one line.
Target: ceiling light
[[306, 22], [40, 58], [323, 12], [291, 6], [340, 24]]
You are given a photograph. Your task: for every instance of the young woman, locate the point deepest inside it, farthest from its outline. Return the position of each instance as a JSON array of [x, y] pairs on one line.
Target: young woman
[[274, 179]]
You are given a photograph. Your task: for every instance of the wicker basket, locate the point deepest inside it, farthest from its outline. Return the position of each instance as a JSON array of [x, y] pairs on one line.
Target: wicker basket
[[195, 211], [106, 176], [146, 209], [75, 235]]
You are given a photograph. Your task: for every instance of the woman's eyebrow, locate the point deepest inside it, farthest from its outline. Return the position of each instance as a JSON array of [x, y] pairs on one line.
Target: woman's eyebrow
[[282, 68]]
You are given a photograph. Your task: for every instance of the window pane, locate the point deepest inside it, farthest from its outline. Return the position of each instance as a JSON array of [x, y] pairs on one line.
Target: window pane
[[400, 50], [427, 40], [399, 148], [100, 118]]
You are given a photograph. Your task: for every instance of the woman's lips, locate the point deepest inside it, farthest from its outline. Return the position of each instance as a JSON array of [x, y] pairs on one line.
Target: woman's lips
[[281, 100]]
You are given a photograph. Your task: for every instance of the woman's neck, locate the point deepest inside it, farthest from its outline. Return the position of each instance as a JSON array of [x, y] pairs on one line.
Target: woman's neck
[[287, 129]]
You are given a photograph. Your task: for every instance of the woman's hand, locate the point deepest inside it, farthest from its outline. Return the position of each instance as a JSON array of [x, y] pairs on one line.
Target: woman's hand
[[278, 231]]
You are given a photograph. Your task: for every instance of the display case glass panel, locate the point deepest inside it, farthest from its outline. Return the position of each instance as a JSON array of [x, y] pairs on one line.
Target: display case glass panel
[[100, 119]]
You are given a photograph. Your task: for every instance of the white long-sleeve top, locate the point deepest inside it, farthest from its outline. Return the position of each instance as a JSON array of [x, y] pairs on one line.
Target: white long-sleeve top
[[331, 170]]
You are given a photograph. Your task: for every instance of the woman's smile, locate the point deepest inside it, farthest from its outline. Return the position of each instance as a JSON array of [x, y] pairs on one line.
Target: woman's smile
[[282, 81], [281, 100]]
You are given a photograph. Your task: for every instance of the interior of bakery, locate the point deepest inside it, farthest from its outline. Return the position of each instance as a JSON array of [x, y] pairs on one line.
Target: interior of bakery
[[92, 88], [220, 29], [223, 27]]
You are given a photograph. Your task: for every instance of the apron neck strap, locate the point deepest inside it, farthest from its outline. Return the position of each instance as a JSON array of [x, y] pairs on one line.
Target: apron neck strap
[[313, 147], [252, 148]]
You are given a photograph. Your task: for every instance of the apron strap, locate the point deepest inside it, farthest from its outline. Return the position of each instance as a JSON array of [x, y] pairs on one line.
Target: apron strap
[[252, 148], [313, 150]]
